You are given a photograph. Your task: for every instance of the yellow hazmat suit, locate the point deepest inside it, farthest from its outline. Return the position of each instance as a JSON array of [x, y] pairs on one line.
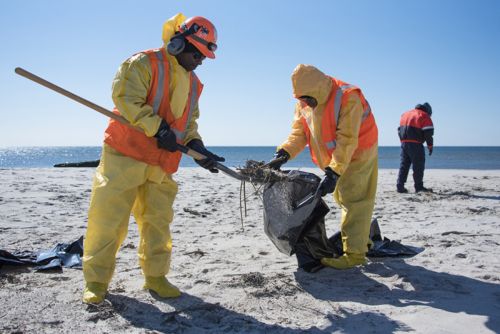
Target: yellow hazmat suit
[[122, 184], [358, 168]]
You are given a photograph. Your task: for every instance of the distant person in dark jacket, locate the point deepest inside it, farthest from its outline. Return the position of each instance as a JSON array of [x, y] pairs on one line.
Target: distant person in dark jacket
[[415, 127]]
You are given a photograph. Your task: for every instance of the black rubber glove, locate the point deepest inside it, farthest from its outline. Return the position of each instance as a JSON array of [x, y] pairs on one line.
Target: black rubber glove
[[211, 160], [430, 148], [280, 158], [328, 183], [166, 137]]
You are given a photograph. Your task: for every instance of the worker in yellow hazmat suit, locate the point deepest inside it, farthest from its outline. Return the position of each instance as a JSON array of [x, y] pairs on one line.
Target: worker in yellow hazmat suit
[[336, 121], [157, 91]]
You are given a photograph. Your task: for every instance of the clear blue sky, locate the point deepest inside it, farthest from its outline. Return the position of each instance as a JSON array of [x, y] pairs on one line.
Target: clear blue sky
[[398, 52]]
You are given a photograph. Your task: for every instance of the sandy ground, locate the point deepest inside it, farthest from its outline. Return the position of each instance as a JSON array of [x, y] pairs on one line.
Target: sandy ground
[[234, 280]]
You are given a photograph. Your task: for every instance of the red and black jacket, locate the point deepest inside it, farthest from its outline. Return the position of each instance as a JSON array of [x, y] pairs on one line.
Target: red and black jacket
[[416, 126]]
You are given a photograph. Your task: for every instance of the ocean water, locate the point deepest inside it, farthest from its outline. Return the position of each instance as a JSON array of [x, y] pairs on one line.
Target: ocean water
[[485, 158]]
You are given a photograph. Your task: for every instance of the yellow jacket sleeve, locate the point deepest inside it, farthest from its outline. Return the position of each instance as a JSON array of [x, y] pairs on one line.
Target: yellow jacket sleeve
[[130, 91], [192, 126], [350, 118], [297, 139]]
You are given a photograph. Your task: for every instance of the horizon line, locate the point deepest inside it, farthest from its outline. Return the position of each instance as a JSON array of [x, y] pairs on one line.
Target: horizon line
[[68, 146]]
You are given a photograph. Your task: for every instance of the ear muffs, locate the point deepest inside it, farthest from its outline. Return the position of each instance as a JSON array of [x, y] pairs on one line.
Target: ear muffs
[[176, 45], [178, 42]]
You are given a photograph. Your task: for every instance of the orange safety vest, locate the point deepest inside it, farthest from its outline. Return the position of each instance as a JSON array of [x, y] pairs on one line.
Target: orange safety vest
[[136, 144], [368, 132]]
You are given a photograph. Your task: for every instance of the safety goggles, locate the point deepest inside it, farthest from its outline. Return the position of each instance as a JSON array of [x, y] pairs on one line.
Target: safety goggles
[[191, 33], [211, 46]]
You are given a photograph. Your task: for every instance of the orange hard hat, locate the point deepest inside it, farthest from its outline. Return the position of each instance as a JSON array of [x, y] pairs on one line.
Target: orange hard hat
[[201, 33]]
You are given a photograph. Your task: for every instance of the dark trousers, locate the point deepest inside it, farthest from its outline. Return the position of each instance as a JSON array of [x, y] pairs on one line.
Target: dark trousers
[[412, 154]]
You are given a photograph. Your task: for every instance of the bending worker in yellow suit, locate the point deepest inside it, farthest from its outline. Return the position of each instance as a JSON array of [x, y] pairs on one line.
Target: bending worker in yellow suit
[[157, 91], [336, 121]]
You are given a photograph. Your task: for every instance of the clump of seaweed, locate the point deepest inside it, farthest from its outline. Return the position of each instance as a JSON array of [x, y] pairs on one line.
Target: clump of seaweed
[[260, 172]]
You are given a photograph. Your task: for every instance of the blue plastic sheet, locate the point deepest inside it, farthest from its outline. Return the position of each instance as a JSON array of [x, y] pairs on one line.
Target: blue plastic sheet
[[67, 255]]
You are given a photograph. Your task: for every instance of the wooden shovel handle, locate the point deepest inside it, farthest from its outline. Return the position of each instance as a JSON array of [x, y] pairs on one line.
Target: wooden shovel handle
[[104, 111], [184, 149]]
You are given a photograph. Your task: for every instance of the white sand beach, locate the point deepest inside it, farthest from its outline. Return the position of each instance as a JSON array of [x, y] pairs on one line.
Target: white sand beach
[[234, 280]]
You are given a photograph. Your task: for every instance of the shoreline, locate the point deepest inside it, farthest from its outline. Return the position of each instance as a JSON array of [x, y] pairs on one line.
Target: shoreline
[[454, 157]]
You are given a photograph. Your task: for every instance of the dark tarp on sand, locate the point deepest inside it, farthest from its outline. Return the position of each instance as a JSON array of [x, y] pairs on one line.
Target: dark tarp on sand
[[62, 255], [92, 163]]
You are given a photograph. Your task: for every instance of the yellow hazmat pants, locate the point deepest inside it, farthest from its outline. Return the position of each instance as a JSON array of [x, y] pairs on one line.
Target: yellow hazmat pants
[[355, 193], [122, 184]]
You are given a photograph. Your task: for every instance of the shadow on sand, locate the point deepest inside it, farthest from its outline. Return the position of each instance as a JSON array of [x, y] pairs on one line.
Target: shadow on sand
[[193, 315], [415, 285]]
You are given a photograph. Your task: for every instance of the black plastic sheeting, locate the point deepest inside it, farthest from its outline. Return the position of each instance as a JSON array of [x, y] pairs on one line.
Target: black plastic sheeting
[[92, 163], [380, 247], [294, 222], [62, 255]]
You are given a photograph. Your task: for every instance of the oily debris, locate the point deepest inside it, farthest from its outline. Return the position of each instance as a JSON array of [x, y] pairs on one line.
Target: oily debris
[[259, 172], [258, 285], [254, 279]]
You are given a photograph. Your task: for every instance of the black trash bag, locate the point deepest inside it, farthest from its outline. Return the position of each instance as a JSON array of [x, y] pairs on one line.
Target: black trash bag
[[294, 219], [313, 243]]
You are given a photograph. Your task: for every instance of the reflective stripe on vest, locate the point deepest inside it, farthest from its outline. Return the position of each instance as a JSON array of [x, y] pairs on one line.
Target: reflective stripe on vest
[[338, 103], [367, 111], [159, 89], [336, 107], [331, 144], [192, 103]]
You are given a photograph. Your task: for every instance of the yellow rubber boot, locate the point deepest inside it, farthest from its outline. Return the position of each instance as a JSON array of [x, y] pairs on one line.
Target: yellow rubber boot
[[94, 292], [162, 287], [346, 261]]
